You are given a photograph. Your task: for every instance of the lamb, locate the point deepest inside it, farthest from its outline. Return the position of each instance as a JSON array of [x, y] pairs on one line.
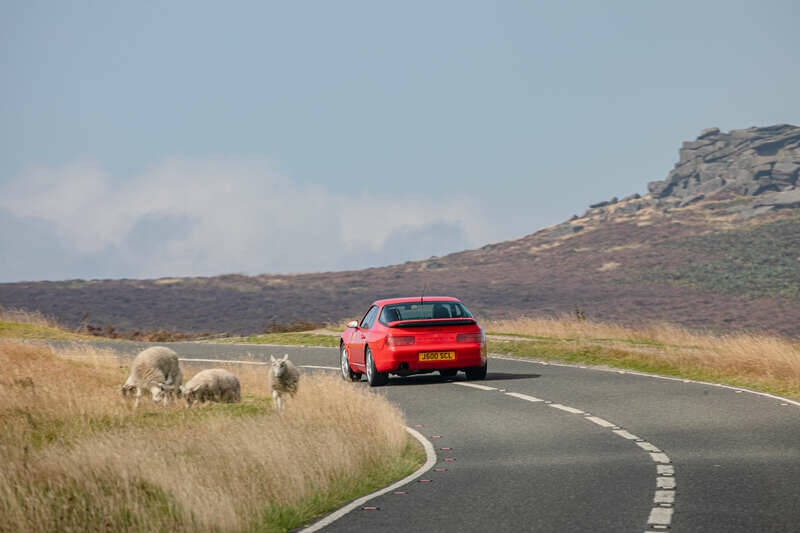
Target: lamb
[[213, 384], [155, 369], [284, 377]]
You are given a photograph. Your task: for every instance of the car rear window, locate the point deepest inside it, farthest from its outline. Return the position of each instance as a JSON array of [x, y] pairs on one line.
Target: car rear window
[[423, 311]]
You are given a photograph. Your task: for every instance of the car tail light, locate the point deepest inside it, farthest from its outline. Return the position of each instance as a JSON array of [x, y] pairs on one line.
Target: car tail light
[[469, 337], [400, 340]]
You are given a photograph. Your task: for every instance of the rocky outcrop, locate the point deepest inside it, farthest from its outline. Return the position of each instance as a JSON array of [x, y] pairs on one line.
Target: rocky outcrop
[[747, 162]]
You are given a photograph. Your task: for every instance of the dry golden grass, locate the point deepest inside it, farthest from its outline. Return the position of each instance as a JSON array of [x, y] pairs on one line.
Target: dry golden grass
[[762, 361], [9, 314], [76, 457]]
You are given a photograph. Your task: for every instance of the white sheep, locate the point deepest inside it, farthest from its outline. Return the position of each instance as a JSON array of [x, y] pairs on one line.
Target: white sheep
[[155, 369], [284, 377], [214, 384]]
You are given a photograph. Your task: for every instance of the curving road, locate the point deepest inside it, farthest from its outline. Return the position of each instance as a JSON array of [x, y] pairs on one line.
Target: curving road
[[543, 447]]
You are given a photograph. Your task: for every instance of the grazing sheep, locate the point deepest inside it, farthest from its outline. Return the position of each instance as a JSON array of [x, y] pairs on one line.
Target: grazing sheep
[[214, 384], [155, 369], [283, 379]]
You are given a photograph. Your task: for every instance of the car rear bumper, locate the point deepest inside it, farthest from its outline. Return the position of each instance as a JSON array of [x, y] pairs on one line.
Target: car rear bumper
[[406, 358]]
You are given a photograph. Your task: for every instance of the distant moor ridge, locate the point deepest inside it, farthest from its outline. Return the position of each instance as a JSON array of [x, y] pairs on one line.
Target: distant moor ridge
[[714, 245]]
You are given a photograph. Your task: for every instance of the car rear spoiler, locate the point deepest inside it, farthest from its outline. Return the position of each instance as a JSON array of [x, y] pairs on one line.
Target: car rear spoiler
[[432, 322]]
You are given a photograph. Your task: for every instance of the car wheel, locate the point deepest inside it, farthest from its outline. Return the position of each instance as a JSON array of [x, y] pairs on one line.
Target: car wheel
[[344, 364], [375, 378], [448, 372], [477, 372]]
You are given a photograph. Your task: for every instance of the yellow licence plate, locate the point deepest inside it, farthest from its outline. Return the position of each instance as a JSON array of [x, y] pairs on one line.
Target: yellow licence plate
[[437, 356]]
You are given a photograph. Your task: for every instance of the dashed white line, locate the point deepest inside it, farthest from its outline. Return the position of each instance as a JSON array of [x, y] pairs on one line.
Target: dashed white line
[[600, 421], [567, 408], [664, 496], [474, 385], [625, 435], [665, 482], [661, 516], [646, 446], [524, 397]]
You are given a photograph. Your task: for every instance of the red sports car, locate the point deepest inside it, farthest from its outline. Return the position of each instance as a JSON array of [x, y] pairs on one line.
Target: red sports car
[[407, 336]]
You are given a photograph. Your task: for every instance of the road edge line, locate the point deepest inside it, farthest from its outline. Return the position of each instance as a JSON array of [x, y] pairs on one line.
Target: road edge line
[[430, 453]]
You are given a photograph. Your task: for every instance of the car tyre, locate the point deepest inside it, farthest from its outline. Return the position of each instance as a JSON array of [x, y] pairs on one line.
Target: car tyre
[[448, 372], [477, 372], [346, 371], [375, 378]]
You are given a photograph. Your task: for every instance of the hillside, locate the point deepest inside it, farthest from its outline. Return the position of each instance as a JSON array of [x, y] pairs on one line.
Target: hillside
[[714, 245]]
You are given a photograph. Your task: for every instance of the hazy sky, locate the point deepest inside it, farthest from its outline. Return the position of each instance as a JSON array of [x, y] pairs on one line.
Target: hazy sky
[[150, 139]]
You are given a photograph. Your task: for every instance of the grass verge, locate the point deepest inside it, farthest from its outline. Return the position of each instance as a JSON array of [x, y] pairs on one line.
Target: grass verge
[[761, 362], [294, 338], [76, 456]]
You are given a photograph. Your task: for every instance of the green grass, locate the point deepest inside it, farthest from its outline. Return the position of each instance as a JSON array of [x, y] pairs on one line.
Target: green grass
[[594, 354], [20, 330], [302, 339], [284, 518]]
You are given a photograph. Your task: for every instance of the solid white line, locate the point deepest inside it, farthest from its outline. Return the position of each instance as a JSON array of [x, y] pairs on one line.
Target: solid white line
[[660, 457], [624, 434], [430, 452], [236, 361], [523, 397], [655, 376], [665, 482], [322, 367], [600, 422], [567, 408], [664, 496], [474, 385], [661, 516], [646, 446]]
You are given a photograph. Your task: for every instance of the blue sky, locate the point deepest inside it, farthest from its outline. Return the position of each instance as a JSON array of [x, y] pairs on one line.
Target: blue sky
[[150, 139]]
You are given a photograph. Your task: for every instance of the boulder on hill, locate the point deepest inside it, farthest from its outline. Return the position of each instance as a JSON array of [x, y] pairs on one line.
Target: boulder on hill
[[751, 162]]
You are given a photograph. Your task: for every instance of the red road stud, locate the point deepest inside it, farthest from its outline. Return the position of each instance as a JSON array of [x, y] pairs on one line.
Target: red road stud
[[449, 459], [370, 508], [436, 436], [400, 492], [446, 449], [440, 470], [424, 481]]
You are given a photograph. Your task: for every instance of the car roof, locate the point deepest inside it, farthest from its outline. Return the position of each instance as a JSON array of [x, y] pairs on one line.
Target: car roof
[[410, 299]]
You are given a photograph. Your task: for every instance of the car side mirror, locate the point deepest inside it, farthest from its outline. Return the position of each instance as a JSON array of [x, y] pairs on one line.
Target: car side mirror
[[353, 324]]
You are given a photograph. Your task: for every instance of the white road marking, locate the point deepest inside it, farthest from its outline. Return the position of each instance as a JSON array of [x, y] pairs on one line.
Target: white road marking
[[567, 408], [664, 496], [523, 397], [665, 470], [320, 367], [660, 458], [661, 516], [232, 361], [600, 422], [646, 375], [646, 446], [624, 434], [430, 452], [474, 385], [665, 482]]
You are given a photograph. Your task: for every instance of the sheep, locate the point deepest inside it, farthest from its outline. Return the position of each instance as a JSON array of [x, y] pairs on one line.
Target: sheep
[[213, 384], [284, 377], [155, 369]]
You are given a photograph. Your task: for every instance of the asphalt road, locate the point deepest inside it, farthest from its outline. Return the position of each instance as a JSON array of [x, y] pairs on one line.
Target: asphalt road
[[613, 452]]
